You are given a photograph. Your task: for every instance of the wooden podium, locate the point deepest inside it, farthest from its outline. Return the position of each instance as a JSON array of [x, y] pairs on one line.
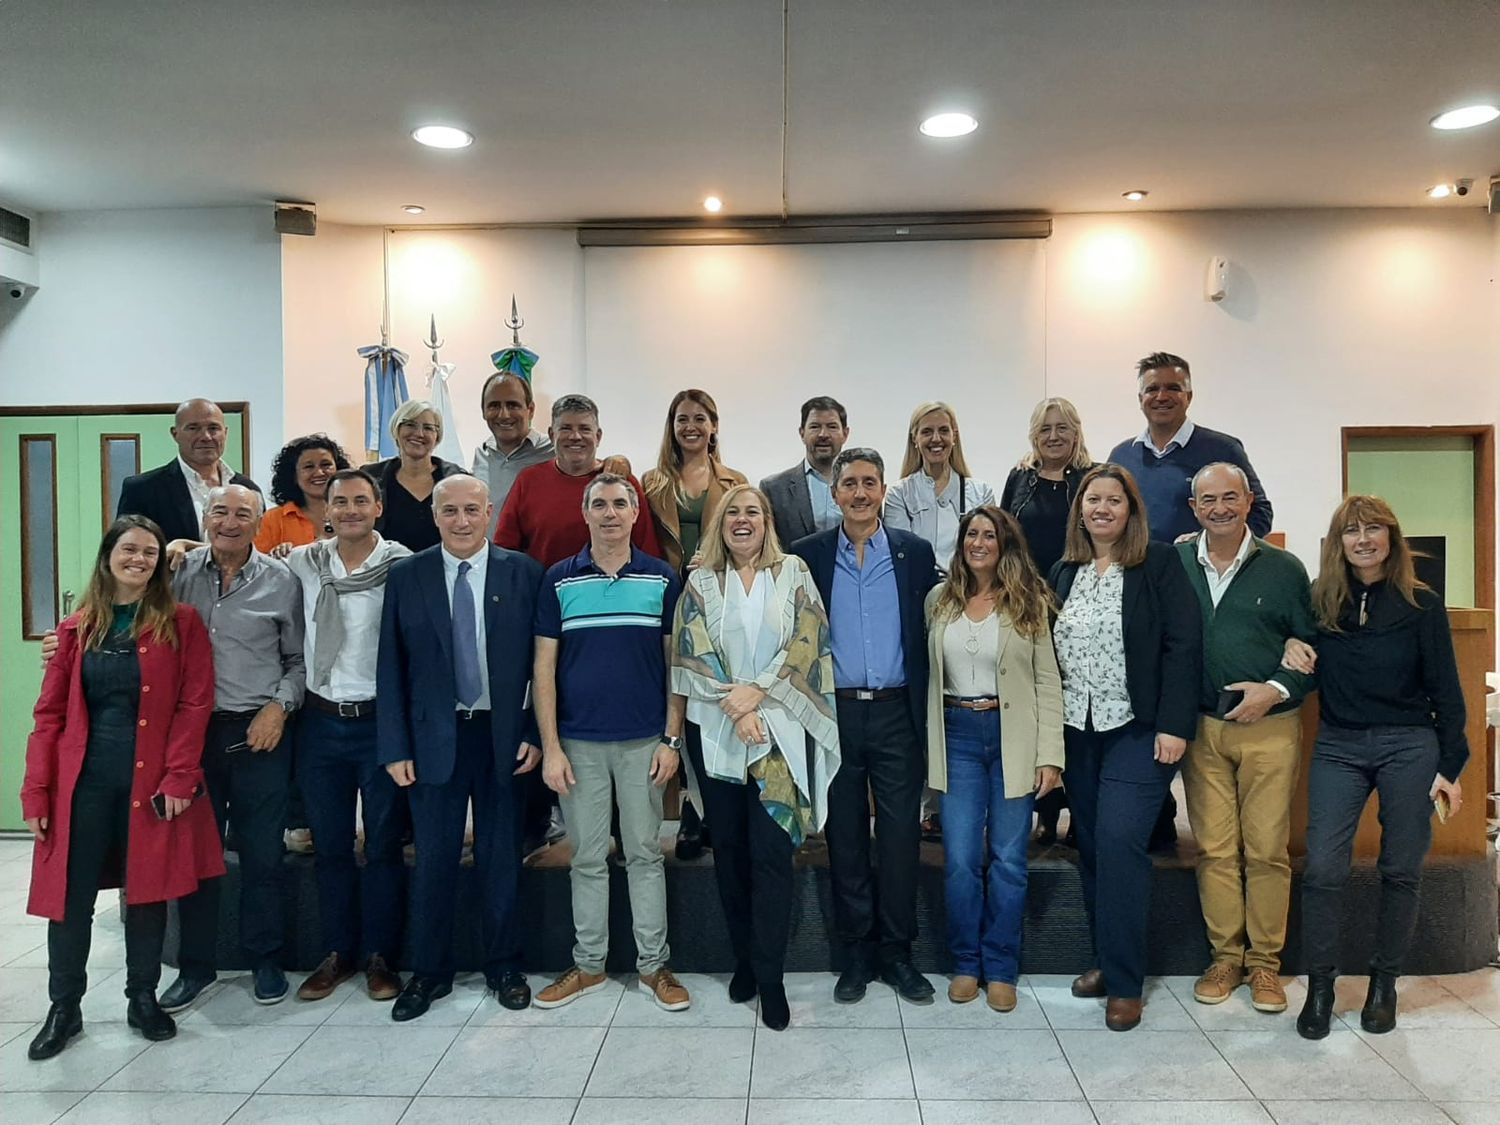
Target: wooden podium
[[1464, 834]]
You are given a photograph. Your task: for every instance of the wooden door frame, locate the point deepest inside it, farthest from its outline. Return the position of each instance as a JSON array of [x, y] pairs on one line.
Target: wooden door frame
[[240, 407], [1483, 438]]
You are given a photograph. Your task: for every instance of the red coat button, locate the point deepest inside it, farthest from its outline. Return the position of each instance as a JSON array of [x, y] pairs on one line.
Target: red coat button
[[141, 723], [135, 804], [145, 687], [141, 650], [140, 765]]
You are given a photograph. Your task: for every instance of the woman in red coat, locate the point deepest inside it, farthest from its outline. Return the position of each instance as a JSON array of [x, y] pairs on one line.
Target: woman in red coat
[[112, 768]]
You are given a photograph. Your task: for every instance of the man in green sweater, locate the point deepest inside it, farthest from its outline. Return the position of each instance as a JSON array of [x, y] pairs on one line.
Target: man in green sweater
[[1241, 771]]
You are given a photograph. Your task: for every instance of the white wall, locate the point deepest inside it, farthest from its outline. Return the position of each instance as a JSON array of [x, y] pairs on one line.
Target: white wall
[[153, 306]]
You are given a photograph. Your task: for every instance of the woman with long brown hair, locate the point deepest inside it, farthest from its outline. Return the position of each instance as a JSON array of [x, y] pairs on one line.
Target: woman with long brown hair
[[112, 770], [994, 742], [1130, 645], [1391, 720]]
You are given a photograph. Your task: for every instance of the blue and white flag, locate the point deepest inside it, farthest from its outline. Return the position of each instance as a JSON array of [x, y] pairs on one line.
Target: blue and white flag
[[385, 389]]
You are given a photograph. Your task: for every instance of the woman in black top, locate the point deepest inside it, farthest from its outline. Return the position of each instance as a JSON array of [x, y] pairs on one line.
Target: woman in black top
[[1392, 721], [407, 479], [1040, 490]]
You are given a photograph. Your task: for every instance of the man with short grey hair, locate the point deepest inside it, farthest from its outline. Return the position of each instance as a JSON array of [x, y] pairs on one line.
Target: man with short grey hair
[[252, 606], [513, 445]]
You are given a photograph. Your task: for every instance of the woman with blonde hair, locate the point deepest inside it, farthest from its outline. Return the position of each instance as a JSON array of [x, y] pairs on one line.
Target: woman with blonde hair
[[935, 486], [1130, 646], [1040, 489], [752, 664], [1391, 720], [407, 479], [994, 742]]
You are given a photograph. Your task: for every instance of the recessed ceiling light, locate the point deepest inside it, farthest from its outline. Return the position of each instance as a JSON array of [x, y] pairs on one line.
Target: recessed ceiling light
[[949, 125], [1466, 117], [1135, 195], [413, 208], [442, 136], [713, 204], [1440, 191]]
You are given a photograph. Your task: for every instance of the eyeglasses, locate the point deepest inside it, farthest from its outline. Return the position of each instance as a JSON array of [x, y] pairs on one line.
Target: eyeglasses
[[425, 427]]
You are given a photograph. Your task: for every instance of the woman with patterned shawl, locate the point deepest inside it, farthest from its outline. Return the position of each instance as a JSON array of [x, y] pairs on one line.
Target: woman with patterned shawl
[[753, 663]]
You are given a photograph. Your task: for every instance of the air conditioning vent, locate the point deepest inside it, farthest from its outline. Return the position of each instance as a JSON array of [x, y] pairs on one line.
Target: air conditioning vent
[[15, 229]]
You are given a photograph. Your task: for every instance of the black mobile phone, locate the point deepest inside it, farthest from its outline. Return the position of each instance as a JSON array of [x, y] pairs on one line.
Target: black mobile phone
[[1229, 700], [159, 802]]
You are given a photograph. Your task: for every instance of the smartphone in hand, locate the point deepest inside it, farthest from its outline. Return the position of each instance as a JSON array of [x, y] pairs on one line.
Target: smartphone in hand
[[159, 801]]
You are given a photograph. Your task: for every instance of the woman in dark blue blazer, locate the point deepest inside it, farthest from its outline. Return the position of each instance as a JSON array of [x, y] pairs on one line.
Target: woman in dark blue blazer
[[1129, 644]]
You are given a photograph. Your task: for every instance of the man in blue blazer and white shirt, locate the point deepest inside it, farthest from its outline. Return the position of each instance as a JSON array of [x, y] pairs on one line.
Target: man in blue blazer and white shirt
[[874, 579], [452, 723]]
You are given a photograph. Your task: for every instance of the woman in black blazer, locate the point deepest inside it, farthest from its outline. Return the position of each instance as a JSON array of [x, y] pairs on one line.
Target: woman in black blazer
[[1129, 642]]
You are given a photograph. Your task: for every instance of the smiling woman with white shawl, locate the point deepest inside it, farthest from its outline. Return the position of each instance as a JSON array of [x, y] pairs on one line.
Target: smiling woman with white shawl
[[751, 656]]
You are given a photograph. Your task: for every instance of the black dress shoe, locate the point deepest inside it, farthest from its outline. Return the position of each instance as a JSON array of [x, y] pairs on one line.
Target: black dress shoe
[[511, 990], [1318, 1010], [1379, 1013], [851, 986], [418, 996], [62, 1023], [775, 1012], [692, 834], [742, 984], [911, 985], [145, 1015], [183, 992]]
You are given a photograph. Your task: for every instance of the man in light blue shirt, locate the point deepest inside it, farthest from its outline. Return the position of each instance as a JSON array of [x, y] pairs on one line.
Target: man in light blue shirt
[[802, 500]]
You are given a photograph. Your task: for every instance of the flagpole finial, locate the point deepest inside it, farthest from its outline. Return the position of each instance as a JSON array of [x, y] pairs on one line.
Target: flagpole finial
[[432, 341], [514, 323]]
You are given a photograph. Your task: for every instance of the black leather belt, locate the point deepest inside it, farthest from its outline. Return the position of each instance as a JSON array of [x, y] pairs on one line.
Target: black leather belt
[[974, 703], [870, 695], [234, 716], [464, 716], [356, 710]]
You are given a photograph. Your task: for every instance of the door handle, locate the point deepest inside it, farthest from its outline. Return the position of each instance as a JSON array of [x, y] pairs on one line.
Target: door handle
[[67, 599]]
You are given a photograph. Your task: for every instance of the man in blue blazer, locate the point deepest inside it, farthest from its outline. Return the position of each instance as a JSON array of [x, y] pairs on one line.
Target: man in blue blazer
[[874, 580], [452, 724]]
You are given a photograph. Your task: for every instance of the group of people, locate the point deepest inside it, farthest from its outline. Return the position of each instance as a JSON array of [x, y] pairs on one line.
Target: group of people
[[813, 654]]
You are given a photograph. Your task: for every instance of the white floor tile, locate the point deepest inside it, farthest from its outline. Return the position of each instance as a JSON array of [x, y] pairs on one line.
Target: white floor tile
[[18, 937], [490, 1111], [309, 1109], [660, 1110], [833, 1111], [711, 1005], [1355, 1113], [1180, 1113], [988, 1113], [1473, 1113], [810, 998], [1281, 1064], [387, 1061], [87, 1062], [1479, 989], [820, 1062], [705, 1062], [1422, 1002], [990, 1066], [1163, 1011], [158, 1108], [9, 1031], [233, 1005], [1143, 1065], [1236, 1013], [976, 1014], [1445, 1065], [518, 1062], [207, 1058], [351, 1005], [40, 1108]]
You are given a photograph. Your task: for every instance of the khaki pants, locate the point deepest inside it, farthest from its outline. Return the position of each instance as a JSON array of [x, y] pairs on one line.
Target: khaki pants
[[1240, 779]]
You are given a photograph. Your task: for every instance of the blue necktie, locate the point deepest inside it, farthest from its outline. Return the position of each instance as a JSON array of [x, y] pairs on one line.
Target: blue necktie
[[465, 640]]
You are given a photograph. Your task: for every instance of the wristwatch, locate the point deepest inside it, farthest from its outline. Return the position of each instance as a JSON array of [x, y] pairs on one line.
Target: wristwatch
[[672, 742], [287, 707]]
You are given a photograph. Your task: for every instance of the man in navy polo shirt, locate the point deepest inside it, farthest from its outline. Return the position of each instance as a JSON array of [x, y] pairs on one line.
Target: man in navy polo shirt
[[603, 646]]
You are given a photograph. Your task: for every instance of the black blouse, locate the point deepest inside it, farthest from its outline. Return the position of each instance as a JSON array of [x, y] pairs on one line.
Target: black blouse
[[406, 519], [111, 676]]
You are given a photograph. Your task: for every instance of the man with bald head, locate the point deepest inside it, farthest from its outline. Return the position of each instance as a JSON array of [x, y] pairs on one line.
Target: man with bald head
[[1241, 770], [452, 727], [252, 605], [175, 495]]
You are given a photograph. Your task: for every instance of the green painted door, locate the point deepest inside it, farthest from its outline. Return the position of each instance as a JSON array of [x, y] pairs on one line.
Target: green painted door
[[60, 477]]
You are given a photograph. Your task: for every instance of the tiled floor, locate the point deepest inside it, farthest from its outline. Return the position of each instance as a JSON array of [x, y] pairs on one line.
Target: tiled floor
[[615, 1059]]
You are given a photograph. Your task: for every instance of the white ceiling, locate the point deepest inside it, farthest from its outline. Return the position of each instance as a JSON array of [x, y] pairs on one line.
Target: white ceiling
[[625, 108]]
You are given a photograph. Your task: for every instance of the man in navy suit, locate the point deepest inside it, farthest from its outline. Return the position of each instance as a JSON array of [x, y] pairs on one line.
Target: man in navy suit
[[175, 495], [451, 720], [874, 580]]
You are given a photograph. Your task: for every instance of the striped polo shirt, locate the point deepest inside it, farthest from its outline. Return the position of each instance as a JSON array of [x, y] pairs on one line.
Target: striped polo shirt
[[611, 668]]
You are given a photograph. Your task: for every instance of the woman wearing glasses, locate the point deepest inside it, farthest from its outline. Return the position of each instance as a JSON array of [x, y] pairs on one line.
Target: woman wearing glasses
[[407, 479]]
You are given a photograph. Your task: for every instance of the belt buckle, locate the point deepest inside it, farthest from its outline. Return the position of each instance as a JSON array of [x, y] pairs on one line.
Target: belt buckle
[[864, 695], [351, 713], [464, 714]]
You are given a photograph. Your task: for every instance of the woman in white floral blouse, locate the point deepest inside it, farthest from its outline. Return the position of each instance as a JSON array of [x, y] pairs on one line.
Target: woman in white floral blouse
[[1130, 646]]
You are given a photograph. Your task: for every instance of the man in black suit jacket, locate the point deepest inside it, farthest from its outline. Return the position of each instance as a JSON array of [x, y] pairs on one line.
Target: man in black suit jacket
[[874, 580], [175, 494], [801, 497], [452, 726]]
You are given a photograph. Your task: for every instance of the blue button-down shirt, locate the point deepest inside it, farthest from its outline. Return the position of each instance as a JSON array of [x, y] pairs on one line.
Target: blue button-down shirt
[[865, 616], [825, 512]]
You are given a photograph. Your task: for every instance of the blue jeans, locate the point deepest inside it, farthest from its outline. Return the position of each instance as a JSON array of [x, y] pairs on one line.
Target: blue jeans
[[336, 763], [985, 911]]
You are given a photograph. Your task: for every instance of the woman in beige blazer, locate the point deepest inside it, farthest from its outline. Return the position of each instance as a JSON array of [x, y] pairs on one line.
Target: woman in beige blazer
[[994, 742]]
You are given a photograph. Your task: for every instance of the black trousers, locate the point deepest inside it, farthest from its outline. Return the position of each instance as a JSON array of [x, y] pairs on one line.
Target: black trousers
[[883, 756], [96, 844], [249, 788], [753, 867], [1399, 763]]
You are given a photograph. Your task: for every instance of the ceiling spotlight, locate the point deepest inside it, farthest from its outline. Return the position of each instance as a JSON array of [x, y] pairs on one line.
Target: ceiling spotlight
[[442, 136], [1135, 195], [949, 125], [1466, 117], [1440, 191], [413, 208], [713, 204]]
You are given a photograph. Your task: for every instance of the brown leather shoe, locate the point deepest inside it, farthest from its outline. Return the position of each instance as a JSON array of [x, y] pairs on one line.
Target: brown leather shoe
[[1000, 996], [381, 982], [1121, 1014], [1266, 993], [962, 989], [1218, 982], [334, 971], [1090, 984]]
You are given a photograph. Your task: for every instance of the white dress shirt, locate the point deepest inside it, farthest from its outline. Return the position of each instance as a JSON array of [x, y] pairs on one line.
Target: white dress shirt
[[1218, 583], [198, 488], [478, 562], [1179, 439]]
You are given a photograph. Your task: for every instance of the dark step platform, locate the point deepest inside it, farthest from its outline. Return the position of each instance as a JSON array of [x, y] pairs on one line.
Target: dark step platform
[[1456, 930]]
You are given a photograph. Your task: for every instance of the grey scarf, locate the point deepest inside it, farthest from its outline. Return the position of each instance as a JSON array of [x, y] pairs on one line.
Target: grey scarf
[[326, 616]]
